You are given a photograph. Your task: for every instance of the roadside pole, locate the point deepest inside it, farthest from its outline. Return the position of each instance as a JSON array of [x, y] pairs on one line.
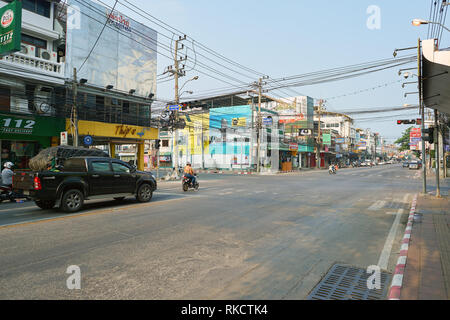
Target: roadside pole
[[319, 146], [436, 148], [422, 110], [74, 109], [258, 126]]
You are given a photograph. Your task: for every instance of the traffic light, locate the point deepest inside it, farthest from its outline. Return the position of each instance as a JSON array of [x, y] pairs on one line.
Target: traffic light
[[408, 122], [419, 122], [428, 135], [157, 144]]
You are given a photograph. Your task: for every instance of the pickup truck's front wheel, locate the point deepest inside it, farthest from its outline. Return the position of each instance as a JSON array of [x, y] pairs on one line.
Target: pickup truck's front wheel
[[72, 201], [45, 204], [144, 193]]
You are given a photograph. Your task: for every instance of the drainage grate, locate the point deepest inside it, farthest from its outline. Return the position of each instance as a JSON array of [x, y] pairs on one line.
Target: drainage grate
[[349, 283]]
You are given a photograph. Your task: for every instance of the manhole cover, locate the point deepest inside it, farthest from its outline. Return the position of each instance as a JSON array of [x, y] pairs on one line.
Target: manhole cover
[[349, 283]]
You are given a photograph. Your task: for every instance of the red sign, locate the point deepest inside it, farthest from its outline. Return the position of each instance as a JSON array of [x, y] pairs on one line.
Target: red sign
[[415, 133], [293, 146]]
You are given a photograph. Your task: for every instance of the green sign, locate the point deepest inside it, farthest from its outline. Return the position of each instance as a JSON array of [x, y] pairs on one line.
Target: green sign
[[10, 27], [326, 139], [27, 125]]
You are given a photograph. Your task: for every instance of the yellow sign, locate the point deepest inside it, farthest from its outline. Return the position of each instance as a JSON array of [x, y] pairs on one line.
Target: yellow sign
[[239, 122], [113, 130]]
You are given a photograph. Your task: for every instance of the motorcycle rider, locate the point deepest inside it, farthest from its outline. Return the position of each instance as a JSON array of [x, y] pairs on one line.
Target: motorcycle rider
[[189, 173], [7, 174], [332, 168]]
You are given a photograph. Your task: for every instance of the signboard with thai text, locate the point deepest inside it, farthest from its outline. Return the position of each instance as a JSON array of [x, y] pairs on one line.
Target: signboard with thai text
[[10, 27]]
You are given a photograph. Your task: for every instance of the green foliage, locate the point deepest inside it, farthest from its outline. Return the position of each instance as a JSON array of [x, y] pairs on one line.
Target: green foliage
[[404, 140]]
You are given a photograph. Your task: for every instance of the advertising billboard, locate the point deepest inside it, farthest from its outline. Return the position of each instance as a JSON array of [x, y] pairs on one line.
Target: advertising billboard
[[125, 55], [10, 27]]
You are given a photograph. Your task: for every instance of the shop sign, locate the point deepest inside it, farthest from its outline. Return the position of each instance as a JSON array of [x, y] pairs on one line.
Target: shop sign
[[327, 139], [293, 147], [239, 122], [64, 137], [340, 140], [29, 125], [10, 27]]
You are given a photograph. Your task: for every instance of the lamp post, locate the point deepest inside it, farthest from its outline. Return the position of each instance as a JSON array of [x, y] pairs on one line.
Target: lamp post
[[419, 22]]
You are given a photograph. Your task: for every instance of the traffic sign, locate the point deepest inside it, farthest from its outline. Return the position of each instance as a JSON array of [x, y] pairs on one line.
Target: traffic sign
[[88, 140], [175, 107]]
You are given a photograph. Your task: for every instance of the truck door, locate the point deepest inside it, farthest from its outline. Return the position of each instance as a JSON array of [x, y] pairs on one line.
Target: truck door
[[101, 178], [124, 180]]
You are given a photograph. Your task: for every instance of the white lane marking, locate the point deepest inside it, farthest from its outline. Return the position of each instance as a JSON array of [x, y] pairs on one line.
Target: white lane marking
[[386, 252], [377, 205]]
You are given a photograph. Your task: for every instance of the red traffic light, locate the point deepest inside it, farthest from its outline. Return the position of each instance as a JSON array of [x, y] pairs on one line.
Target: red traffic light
[[399, 121]]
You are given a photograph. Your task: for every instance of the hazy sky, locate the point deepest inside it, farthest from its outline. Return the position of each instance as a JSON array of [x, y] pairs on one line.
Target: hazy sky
[[287, 37]]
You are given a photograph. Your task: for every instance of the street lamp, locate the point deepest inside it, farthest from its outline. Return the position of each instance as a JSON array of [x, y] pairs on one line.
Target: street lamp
[[418, 22], [188, 92], [194, 78]]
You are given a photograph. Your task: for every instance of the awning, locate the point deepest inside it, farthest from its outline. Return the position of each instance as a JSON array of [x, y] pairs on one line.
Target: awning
[[436, 76]]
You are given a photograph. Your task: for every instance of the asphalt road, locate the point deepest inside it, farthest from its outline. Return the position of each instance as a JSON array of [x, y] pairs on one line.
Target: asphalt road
[[238, 237]]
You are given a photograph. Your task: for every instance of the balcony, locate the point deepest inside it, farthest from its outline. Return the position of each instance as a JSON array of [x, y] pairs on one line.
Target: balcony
[[26, 62]]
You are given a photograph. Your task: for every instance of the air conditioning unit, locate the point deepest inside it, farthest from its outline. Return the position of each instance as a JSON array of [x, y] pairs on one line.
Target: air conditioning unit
[[48, 55], [28, 50]]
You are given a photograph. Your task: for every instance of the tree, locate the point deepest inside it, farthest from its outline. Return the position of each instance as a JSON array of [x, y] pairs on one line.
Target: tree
[[404, 140]]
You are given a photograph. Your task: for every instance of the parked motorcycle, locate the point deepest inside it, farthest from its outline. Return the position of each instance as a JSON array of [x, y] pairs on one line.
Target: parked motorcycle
[[187, 183], [6, 193]]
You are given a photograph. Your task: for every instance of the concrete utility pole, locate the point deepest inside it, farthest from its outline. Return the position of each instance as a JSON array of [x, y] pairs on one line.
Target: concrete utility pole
[[177, 73], [319, 145], [74, 109], [258, 126], [436, 148], [422, 110]]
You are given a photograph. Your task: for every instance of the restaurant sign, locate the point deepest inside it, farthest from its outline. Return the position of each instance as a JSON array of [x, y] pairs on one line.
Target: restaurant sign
[[10, 27]]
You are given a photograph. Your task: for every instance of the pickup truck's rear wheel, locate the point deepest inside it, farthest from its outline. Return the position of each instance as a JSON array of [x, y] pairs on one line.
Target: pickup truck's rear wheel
[[72, 200], [144, 193], [45, 204]]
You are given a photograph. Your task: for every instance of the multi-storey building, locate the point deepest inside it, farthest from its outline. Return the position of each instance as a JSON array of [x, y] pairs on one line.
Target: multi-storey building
[[115, 73]]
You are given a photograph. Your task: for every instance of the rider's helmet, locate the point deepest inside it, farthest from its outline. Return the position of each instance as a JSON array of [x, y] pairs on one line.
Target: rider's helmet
[[188, 164], [8, 165]]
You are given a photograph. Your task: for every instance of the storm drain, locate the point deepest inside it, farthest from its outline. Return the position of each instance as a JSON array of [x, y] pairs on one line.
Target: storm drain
[[349, 283]]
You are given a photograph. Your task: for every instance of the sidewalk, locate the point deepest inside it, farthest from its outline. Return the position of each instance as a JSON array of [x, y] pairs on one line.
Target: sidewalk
[[427, 271]]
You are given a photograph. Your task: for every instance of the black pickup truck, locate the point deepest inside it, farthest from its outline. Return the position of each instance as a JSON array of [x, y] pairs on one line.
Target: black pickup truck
[[84, 178]]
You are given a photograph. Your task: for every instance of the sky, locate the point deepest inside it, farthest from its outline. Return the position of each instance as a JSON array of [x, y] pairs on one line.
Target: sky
[[287, 37]]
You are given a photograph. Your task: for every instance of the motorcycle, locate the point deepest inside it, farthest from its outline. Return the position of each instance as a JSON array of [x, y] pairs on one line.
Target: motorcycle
[[332, 170], [6, 193], [187, 183]]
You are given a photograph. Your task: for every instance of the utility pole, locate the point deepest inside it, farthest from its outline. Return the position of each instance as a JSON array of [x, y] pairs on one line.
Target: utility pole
[[422, 110], [74, 109], [436, 148], [177, 73], [319, 145], [258, 126]]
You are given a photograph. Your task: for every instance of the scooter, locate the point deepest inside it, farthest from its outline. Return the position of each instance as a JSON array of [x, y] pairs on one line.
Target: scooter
[[187, 183], [6, 193]]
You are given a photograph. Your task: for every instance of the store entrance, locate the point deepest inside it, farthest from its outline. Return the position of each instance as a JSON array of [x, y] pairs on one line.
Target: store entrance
[[18, 152]]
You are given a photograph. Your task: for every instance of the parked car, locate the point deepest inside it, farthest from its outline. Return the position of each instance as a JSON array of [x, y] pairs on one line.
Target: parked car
[[405, 164], [84, 178]]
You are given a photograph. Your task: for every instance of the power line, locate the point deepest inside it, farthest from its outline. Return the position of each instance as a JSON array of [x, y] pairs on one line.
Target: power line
[[98, 38]]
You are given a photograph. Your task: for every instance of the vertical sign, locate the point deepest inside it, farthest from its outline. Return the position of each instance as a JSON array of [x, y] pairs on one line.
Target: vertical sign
[[64, 140], [326, 139], [10, 27]]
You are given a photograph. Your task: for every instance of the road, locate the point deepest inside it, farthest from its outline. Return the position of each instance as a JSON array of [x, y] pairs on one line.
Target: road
[[239, 237]]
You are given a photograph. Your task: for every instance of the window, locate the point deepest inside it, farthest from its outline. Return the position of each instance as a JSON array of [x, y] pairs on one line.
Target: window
[[40, 7], [101, 166], [118, 167], [39, 43], [126, 107], [165, 143]]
